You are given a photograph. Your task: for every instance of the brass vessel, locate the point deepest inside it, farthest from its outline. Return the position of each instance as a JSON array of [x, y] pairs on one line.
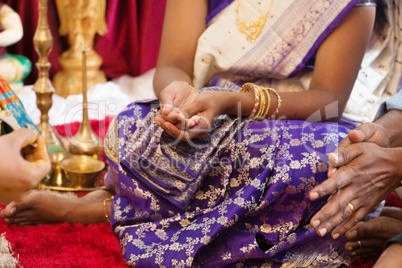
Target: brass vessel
[[81, 170], [43, 88], [85, 141], [57, 177]]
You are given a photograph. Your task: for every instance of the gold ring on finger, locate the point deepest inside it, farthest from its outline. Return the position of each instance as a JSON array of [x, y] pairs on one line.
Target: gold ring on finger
[[352, 208]]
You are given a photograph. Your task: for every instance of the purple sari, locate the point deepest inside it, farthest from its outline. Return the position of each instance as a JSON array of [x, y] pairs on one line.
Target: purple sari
[[237, 197]]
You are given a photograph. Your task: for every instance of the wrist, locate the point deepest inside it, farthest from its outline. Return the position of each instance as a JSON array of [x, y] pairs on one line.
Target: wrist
[[189, 86], [392, 130], [237, 104], [399, 162], [263, 99]]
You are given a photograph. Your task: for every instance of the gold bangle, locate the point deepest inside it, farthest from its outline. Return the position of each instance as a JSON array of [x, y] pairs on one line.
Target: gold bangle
[[104, 208], [278, 104], [190, 86], [264, 114], [247, 87], [258, 116]]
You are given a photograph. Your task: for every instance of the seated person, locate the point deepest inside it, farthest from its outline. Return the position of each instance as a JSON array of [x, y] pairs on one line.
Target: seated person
[[13, 68], [197, 184]]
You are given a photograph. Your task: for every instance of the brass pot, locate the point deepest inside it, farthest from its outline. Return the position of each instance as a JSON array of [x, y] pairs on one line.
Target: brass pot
[[81, 170]]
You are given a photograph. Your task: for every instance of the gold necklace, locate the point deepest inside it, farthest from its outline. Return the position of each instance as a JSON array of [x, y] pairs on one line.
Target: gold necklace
[[252, 29]]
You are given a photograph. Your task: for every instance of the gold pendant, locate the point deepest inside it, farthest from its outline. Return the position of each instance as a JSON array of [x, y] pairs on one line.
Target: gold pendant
[[252, 29]]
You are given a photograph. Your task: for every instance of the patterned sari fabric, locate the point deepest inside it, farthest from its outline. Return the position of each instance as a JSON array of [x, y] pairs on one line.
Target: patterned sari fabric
[[9, 101], [238, 196]]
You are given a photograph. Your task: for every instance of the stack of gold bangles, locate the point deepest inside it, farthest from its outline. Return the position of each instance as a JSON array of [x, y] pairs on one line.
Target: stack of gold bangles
[[262, 101]]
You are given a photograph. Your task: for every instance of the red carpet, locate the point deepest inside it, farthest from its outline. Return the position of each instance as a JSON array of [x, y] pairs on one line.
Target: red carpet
[[64, 245]]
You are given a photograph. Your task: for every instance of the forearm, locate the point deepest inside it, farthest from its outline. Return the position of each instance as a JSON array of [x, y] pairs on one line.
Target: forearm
[[393, 129], [314, 105]]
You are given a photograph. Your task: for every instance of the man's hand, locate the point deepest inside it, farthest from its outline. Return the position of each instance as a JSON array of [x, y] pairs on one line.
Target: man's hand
[[364, 171], [22, 166]]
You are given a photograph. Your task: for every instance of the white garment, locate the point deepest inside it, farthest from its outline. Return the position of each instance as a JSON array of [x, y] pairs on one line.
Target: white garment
[[380, 75], [107, 99]]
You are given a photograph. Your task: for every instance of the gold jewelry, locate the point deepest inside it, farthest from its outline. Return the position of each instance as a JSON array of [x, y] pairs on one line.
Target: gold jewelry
[[104, 207], [264, 114], [279, 104], [190, 86], [259, 116], [252, 29], [248, 87], [352, 208]]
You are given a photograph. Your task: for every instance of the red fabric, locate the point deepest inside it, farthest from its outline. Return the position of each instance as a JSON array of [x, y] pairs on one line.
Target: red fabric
[[131, 45], [99, 127], [64, 245], [393, 201]]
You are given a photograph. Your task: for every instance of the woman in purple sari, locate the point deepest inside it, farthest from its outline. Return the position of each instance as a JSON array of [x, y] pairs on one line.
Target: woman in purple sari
[[206, 187], [202, 177]]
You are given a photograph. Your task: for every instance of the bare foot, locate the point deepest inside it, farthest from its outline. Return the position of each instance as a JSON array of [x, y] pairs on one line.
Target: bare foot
[[41, 207], [368, 239]]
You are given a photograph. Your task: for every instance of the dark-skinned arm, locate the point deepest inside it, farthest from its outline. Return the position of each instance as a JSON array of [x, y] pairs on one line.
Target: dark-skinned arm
[[338, 61], [366, 169]]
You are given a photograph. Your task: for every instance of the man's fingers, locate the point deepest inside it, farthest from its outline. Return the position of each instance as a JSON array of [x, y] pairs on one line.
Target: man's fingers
[[360, 134], [343, 157], [357, 135], [354, 219], [337, 213], [39, 160], [335, 205], [42, 168], [344, 143], [41, 149], [338, 180], [23, 136]]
